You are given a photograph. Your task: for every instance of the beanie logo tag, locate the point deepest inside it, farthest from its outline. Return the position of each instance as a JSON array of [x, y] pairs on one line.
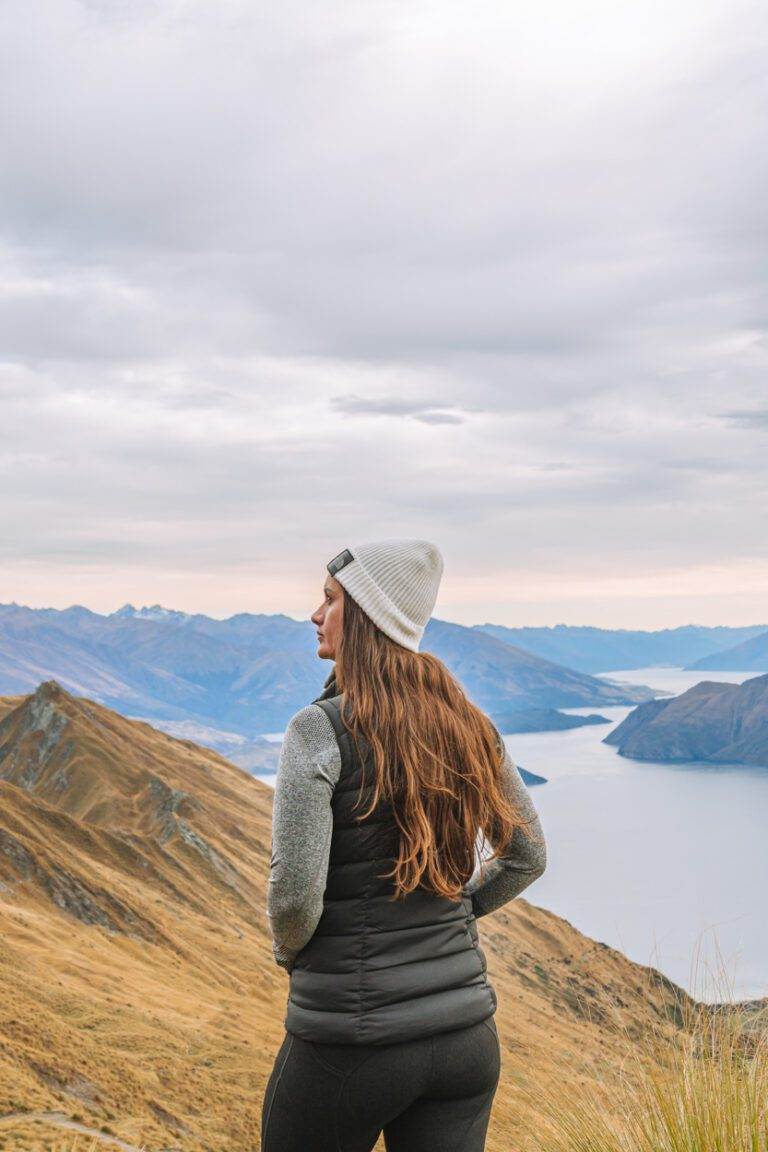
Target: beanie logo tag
[[340, 561]]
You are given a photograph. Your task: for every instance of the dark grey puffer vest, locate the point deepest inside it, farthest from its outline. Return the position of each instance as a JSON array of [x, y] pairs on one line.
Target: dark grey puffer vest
[[378, 971]]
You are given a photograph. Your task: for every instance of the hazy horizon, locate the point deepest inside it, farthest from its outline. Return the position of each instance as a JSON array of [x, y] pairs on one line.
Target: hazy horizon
[[300, 619]]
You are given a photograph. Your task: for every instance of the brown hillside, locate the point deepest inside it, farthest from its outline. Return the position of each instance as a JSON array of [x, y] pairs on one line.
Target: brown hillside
[[714, 722], [137, 985]]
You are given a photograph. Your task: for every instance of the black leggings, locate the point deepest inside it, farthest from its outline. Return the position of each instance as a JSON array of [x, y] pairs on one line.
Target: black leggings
[[428, 1095]]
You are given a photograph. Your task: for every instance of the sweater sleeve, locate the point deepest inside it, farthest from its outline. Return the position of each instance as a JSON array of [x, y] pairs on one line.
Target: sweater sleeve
[[302, 825], [523, 859]]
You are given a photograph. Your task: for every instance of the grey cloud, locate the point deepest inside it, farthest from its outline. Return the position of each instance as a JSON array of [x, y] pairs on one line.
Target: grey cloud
[[425, 412], [755, 418], [438, 221], [438, 418]]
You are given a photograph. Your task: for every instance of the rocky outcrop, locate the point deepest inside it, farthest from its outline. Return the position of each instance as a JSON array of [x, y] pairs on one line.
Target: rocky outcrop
[[68, 892], [148, 807]]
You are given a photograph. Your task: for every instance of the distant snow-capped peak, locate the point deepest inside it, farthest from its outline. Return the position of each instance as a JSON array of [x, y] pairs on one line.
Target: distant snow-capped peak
[[155, 612]]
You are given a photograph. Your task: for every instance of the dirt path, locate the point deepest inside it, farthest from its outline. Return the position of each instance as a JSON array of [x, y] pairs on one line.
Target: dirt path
[[63, 1121]]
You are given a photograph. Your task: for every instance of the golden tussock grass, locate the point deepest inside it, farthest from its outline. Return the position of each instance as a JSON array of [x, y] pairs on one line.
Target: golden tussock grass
[[703, 1088]]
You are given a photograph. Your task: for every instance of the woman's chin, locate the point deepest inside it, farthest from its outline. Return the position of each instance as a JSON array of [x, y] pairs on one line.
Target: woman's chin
[[324, 652]]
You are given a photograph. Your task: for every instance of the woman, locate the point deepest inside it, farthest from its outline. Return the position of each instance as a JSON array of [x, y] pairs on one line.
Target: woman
[[383, 785]]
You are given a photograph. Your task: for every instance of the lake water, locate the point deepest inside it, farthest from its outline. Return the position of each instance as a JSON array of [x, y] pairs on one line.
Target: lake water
[[657, 860], [667, 863]]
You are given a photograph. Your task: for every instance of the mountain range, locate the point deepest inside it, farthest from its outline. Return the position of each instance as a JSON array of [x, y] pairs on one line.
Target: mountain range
[[719, 723], [607, 650], [139, 998], [751, 655], [247, 675]]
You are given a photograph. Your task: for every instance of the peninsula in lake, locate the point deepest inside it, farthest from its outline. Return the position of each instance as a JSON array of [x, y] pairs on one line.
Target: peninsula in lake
[[719, 723], [513, 721]]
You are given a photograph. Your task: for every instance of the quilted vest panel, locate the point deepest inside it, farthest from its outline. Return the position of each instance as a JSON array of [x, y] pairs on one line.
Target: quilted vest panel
[[378, 971]]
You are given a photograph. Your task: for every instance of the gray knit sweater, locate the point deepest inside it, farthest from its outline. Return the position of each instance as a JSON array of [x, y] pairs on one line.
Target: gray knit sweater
[[302, 823]]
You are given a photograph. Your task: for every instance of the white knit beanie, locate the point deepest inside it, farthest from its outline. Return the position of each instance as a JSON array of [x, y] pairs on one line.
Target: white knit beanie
[[395, 582]]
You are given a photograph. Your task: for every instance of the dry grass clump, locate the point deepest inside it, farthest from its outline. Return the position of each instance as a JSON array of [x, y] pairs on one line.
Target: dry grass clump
[[702, 1088]]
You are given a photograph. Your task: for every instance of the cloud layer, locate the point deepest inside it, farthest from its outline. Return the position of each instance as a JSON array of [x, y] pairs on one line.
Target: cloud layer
[[275, 281]]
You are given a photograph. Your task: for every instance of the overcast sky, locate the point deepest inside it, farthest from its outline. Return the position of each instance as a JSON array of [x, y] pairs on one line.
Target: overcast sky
[[279, 278]]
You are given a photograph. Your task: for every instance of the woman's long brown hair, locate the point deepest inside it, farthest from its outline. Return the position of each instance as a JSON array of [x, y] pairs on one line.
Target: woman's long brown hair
[[437, 756]]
